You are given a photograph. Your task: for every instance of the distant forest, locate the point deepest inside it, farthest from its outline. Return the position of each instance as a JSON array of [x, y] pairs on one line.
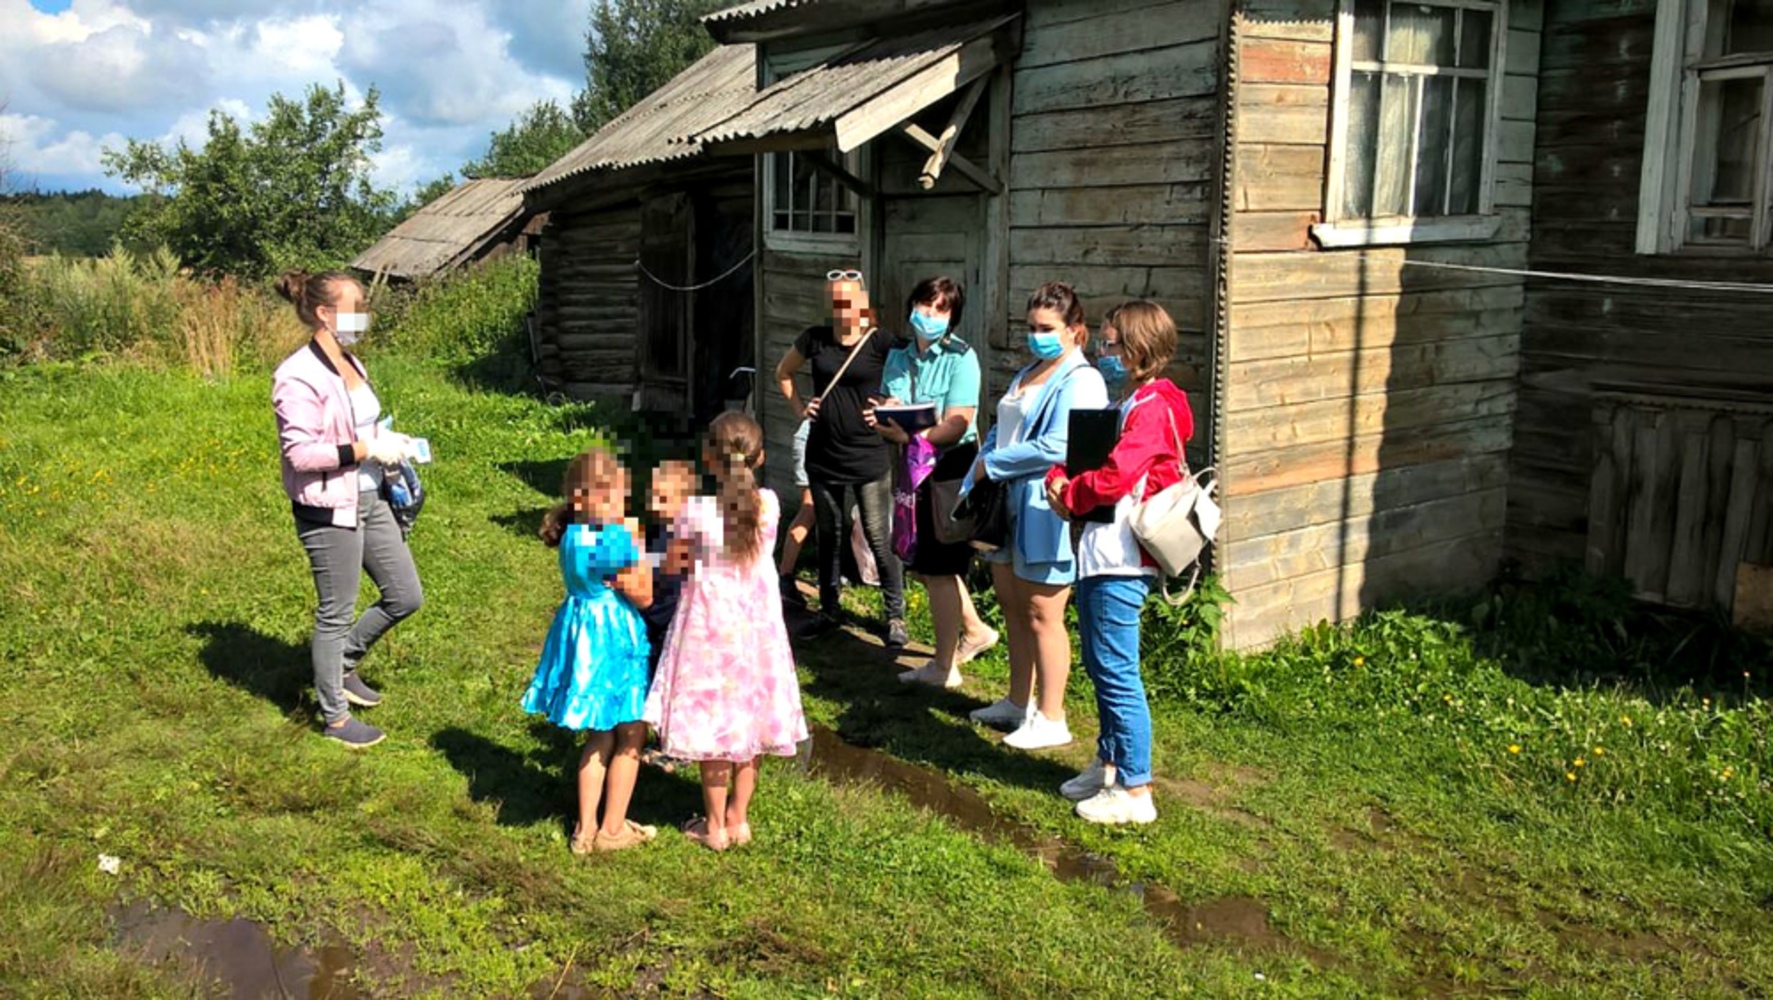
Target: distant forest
[[70, 223]]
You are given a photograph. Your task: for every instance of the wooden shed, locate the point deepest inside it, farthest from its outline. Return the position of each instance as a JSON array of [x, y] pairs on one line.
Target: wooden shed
[[646, 289], [1346, 204], [473, 221]]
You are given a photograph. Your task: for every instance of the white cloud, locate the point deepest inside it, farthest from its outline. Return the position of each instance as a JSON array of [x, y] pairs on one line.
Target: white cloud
[[120, 69], [32, 146], [450, 71]]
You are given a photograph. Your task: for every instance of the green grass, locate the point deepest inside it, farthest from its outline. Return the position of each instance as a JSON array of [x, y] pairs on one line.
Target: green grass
[[154, 608]]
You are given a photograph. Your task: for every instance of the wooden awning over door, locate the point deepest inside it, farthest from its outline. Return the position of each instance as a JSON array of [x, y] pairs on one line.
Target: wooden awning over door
[[863, 92]]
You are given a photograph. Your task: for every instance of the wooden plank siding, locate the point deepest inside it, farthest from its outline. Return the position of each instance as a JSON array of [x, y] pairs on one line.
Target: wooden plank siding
[[1564, 504], [588, 302], [1369, 399], [1114, 117]]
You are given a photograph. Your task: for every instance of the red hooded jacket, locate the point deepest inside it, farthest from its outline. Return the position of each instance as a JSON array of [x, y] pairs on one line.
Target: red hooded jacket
[[1158, 421]]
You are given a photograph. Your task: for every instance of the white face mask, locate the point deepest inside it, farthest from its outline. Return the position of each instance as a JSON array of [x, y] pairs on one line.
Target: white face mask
[[350, 326]]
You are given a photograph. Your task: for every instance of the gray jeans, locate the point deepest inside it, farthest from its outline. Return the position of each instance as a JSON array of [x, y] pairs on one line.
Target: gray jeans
[[338, 557]]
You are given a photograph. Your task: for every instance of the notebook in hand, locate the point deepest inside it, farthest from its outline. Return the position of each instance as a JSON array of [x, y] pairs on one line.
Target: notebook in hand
[[1092, 436], [909, 417]]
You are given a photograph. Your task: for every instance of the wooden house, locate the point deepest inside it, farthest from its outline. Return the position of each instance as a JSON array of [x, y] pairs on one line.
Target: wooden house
[[1341, 202], [646, 289], [474, 221]]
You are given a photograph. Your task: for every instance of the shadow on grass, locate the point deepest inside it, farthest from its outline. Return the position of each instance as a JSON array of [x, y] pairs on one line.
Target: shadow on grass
[[540, 784], [526, 523], [262, 665], [1572, 629], [912, 721], [542, 475]]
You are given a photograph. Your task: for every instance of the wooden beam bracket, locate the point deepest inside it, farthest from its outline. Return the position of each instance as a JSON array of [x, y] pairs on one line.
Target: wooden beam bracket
[[932, 169], [920, 136], [825, 163]]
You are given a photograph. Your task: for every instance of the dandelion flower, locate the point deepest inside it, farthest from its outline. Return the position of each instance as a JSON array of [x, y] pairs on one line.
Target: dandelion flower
[[1360, 661], [1580, 762], [1514, 748], [1600, 751], [1570, 775], [1626, 719]]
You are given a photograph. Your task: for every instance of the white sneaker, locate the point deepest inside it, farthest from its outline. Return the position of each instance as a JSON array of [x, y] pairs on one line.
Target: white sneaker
[[1089, 781], [1115, 805], [1002, 714], [1038, 733]]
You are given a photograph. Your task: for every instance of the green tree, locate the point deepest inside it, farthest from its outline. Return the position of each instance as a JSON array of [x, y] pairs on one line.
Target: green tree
[[538, 137], [291, 190], [633, 48]]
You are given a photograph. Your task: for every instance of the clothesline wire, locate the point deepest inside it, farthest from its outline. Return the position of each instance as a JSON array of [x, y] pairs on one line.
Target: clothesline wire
[[1605, 279], [655, 279]]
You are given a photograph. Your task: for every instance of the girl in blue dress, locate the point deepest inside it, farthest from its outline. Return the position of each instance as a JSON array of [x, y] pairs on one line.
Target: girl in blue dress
[[593, 673]]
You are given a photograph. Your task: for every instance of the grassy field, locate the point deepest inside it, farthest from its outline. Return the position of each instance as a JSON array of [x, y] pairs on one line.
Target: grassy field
[[1388, 809]]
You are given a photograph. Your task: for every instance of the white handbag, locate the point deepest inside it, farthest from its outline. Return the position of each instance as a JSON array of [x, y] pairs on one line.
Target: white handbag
[[1178, 523]]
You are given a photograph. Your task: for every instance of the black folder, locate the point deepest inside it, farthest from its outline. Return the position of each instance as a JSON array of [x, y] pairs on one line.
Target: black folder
[[1092, 435]]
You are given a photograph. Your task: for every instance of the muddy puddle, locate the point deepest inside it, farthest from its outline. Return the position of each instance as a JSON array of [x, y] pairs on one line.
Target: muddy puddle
[[1234, 919], [238, 955]]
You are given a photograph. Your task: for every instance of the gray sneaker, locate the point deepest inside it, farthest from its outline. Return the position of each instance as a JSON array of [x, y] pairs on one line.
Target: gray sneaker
[[359, 693], [897, 635], [355, 734]]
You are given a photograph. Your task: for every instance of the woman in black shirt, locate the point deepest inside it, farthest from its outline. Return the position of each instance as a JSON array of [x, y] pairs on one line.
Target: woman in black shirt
[[843, 452]]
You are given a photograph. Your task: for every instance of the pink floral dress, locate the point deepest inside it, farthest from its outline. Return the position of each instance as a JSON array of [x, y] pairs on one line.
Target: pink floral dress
[[726, 687]]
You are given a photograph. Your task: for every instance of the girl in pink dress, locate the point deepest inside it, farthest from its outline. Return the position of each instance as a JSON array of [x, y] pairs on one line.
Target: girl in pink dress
[[726, 692]]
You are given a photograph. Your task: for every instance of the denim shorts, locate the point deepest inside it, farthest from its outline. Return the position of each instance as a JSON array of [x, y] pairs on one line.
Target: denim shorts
[[806, 427]]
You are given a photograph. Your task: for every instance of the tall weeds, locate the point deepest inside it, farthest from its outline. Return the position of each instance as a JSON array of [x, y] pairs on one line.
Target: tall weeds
[[144, 307]]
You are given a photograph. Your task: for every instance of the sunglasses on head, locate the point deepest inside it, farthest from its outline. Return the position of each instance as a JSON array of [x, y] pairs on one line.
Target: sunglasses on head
[[843, 275]]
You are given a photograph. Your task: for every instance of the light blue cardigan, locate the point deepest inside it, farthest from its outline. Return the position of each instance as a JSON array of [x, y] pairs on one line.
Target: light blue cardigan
[[1042, 542]]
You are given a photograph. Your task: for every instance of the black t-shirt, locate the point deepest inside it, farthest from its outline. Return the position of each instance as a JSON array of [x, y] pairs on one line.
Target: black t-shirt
[[841, 447]]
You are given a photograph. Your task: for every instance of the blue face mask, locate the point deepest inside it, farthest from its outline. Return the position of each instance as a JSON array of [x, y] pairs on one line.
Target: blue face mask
[[1045, 346], [1113, 370], [928, 326]]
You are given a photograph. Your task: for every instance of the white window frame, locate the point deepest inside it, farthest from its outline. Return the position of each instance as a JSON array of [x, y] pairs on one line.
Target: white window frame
[[794, 239], [1678, 69], [1339, 230]]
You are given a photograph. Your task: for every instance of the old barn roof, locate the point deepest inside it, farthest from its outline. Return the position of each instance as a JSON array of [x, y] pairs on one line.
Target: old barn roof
[[752, 9], [447, 231], [864, 92], [662, 126]]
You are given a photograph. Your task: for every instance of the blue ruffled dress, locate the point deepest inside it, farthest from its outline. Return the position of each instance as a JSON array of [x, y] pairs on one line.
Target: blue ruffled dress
[[593, 671]]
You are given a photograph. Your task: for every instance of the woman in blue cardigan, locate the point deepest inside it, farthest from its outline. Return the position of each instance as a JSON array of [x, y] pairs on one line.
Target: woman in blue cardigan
[[1033, 573]]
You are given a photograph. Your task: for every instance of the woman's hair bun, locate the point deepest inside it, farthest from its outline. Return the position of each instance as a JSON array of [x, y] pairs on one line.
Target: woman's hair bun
[[292, 283]]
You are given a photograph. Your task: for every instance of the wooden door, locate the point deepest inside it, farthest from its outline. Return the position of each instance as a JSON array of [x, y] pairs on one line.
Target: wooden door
[[923, 237], [667, 314]]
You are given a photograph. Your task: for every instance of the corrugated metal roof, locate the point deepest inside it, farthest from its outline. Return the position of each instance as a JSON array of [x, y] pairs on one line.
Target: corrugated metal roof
[[450, 226], [663, 124], [752, 9], [820, 95]]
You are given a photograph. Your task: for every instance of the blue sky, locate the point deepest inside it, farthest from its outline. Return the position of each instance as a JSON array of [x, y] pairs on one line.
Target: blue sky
[[80, 76]]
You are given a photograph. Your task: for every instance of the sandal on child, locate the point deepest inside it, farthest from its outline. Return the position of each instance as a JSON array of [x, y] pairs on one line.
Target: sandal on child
[[581, 844], [738, 835], [647, 831], [697, 830], [630, 836]]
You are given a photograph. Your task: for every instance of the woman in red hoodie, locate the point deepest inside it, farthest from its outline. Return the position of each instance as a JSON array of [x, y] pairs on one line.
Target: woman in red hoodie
[[1114, 575]]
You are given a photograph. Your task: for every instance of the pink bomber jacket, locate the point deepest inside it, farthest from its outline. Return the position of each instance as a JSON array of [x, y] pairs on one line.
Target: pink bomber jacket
[[315, 432]]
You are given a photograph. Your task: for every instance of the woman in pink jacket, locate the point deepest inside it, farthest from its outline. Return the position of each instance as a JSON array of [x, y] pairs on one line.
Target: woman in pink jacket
[[334, 457]]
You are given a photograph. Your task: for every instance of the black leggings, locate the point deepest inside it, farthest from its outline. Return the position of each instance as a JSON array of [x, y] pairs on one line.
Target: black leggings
[[831, 528]]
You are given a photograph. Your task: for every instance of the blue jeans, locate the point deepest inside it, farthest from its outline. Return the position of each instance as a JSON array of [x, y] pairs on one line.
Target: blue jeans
[[1108, 616]]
